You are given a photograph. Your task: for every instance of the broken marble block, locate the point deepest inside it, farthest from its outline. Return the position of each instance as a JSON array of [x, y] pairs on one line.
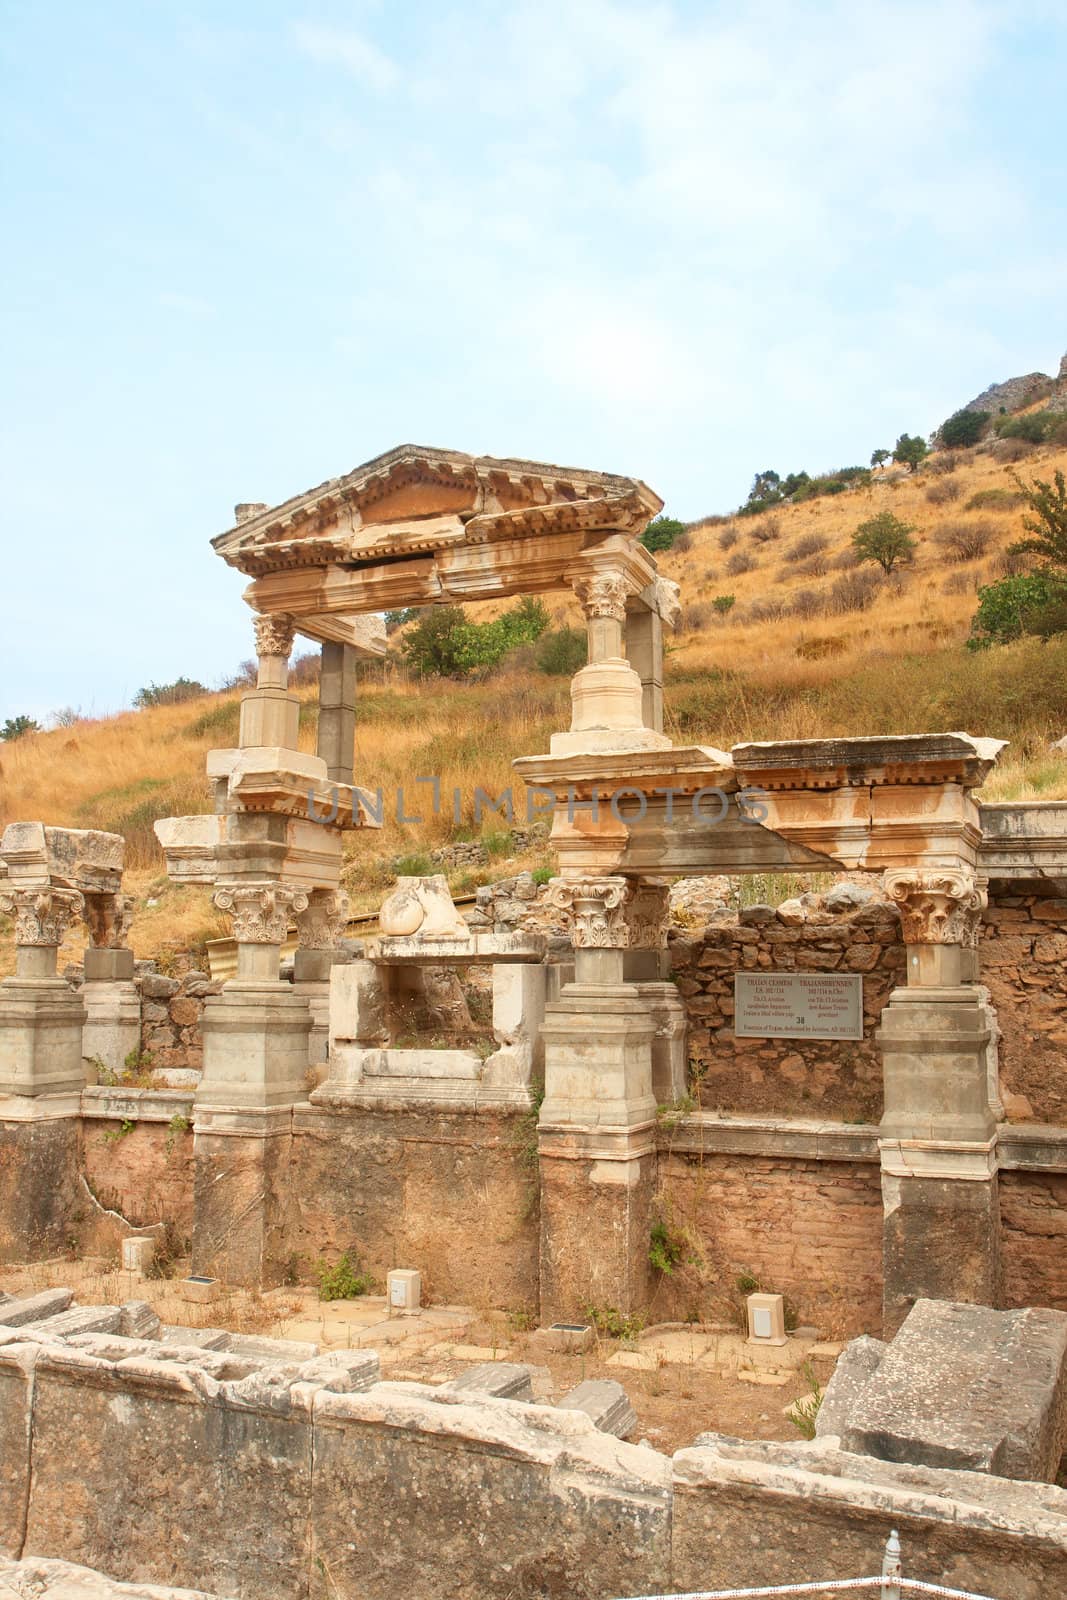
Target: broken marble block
[[38, 857], [606, 1402], [969, 1388], [502, 1380], [856, 1366]]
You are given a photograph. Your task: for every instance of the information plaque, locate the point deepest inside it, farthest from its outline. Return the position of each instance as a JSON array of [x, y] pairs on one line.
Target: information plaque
[[798, 1005]]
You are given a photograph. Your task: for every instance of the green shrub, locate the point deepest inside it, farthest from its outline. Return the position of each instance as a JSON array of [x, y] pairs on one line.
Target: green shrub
[[665, 1249], [542, 875], [724, 603], [168, 694], [444, 644], [562, 652], [1009, 609], [662, 532], [995, 500], [344, 1280], [963, 429], [15, 727], [1035, 427], [418, 865]]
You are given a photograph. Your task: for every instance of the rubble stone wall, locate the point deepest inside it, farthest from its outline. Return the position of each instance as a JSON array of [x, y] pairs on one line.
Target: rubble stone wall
[[1023, 956], [811, 1230], [454, 1191]]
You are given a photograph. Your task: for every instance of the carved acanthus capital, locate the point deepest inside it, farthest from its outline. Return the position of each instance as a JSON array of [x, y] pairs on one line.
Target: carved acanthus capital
[[603, 594], [261, 911], [594, 910], [320, 927], [42, 916], [108, 918], [937, 905], [668, 601], [646, 915], [274, 635]]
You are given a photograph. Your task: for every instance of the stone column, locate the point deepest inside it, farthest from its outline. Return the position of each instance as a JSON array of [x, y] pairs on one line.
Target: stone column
[[41, 1079], [657, 607], [255, 1070], [270, 715], [319, 930], [938, 1136], [337, 711], [647, 969], [112, 1004], [607, 697], [597, 1125]]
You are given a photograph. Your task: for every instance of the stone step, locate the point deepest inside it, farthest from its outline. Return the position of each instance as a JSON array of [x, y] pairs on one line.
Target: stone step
[[81, 1319], [606, 1402], [418, 1065]]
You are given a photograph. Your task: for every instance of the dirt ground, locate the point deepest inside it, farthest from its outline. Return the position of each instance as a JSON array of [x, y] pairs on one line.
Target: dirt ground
[[681, 1381]]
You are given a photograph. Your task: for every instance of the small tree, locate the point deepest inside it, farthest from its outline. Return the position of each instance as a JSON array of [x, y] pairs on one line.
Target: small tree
[[661, 533], [963, 429], [879, 457], [15, 727], [561, 652], [909, 450], [884, 539], [723, 603], [1047, 525]]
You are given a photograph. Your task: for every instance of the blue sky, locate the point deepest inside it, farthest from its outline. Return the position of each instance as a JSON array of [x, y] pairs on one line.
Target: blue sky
[[249, 245]]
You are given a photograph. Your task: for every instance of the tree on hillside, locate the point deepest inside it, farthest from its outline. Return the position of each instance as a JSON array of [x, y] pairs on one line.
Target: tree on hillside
[[661, 533], [963, 429], [15, 727], [1047, 525], [878, 457], [885, 540], [909, 450], [1030, 603]]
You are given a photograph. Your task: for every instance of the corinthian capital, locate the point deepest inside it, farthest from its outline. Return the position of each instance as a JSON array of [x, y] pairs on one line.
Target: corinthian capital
[[940, 905], [274, 635], [42, 916], [594, 909], [646, 915], [320, 927], [108, 917], [603, 594], [260, 911]]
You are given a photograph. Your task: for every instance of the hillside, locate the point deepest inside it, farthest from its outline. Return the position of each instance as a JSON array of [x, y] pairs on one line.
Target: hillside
[[812, 646]]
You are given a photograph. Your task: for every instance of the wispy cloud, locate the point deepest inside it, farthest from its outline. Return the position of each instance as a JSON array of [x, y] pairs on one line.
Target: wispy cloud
[[344, 48]]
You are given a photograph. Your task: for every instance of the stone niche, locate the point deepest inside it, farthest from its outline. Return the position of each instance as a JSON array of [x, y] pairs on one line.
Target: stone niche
[[437, 1013]]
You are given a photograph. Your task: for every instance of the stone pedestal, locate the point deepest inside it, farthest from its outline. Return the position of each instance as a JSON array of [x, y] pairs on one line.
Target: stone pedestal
[[255, 1046], [596, 1141]]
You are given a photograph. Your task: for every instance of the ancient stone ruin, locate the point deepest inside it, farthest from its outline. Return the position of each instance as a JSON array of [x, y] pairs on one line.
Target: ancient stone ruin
[[818, 1090]]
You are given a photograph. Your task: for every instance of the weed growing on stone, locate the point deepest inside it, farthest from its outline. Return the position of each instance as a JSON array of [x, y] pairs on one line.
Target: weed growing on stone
[[614, 1324], [344, 1280], [803, 1412]]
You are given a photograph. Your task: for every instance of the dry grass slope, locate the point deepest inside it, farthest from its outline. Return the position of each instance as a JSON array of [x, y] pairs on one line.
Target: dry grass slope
[[812, 647]]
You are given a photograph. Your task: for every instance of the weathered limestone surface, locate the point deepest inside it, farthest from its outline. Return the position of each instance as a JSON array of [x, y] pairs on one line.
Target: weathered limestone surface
[[605, 1402], [747, 1512], [856, 1365], [411, 1493], [967, 1387], [38, 1579]]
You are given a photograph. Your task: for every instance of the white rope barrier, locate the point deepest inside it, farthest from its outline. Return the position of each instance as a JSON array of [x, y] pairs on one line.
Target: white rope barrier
[[825, 1586]]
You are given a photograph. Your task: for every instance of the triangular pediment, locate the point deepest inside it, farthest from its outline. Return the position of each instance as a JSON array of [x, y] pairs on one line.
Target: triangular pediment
[[418, 498]]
